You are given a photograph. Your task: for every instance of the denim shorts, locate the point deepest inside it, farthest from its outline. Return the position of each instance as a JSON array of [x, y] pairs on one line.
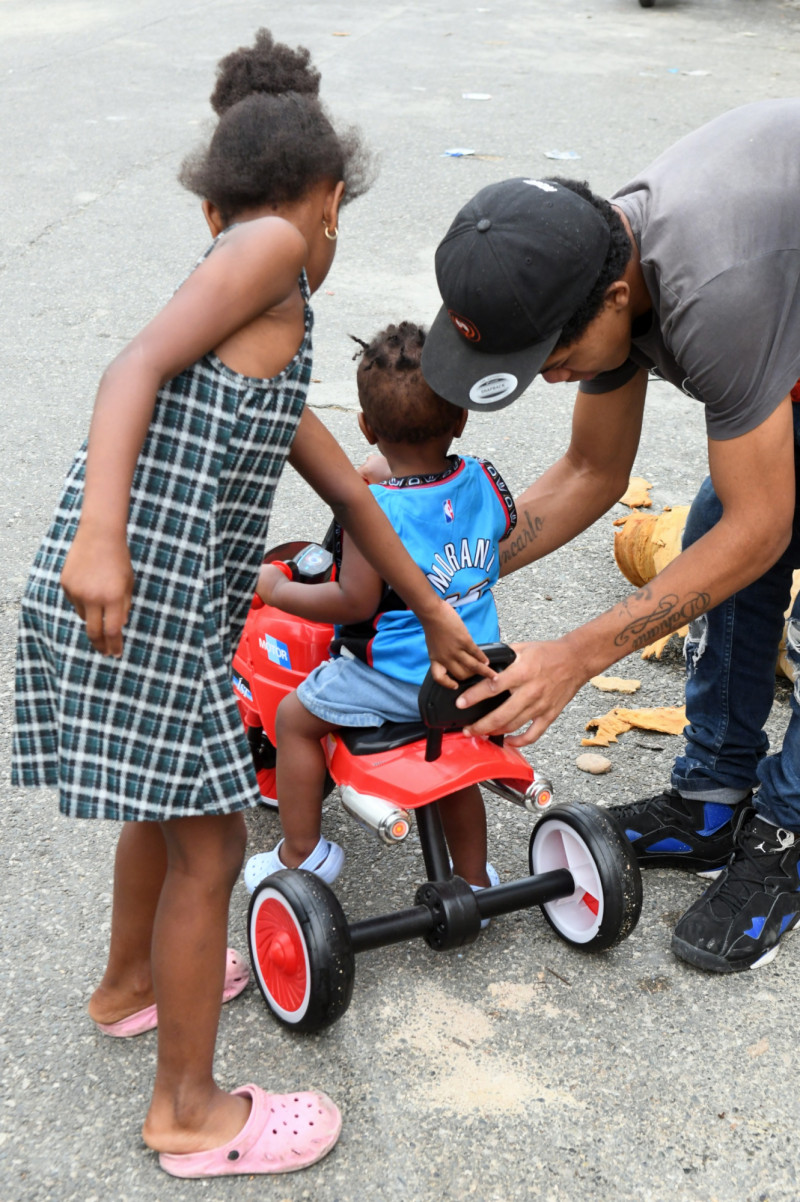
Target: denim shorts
[[347, 692]]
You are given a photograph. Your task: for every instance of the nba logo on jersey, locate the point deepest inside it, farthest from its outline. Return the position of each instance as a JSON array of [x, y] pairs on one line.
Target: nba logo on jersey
[[449, 516]]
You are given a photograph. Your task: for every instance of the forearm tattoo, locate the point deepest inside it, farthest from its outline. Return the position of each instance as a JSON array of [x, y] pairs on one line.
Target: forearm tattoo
[[524, 535], [668, 614]]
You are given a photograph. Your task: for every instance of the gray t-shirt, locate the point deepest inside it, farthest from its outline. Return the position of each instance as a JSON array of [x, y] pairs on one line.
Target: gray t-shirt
[[717, 222]]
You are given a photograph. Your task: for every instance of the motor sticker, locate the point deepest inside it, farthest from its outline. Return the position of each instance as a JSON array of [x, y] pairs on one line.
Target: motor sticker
[[276, 651]]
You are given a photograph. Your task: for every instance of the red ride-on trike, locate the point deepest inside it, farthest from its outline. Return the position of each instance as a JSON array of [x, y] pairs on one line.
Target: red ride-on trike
[[584, 874]]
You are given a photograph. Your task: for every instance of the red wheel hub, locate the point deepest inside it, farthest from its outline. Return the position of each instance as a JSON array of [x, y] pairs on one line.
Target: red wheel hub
[[283, 953], [281, 958]]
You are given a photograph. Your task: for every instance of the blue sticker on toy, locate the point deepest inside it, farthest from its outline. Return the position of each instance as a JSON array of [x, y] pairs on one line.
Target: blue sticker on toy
[[241, 686], [276, 651]]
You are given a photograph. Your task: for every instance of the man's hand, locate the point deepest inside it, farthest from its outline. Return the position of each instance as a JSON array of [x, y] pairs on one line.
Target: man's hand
[[541, 680]]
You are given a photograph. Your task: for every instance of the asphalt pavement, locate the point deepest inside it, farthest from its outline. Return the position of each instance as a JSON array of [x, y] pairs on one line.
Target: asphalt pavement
[[518, 1068]]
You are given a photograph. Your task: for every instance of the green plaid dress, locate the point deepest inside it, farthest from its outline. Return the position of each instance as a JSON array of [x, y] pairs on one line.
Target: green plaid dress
[[156, 734]]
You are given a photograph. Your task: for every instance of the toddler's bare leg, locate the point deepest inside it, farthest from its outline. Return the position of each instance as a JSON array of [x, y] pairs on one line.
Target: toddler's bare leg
[[464, 821], [188, 1111], [300, 778], [139, 868]]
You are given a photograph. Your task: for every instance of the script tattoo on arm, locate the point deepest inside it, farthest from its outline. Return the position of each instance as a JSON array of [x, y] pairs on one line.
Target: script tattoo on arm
[[524, 535], [668, 614]]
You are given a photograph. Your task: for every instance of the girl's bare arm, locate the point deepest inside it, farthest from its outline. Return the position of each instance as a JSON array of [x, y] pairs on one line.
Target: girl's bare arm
[[252, 270]]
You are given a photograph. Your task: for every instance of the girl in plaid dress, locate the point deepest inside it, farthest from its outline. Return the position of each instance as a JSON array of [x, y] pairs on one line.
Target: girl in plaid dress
[[140, 589]]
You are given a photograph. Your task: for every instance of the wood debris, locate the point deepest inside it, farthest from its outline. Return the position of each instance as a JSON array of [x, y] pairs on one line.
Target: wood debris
[[667, 720], [656, 649], [643, 546], [637, 495], [615, 684], [647, 542]]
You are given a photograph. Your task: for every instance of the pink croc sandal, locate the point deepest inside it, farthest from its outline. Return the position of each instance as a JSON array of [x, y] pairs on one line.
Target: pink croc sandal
[[285, 1131], [237, 974]]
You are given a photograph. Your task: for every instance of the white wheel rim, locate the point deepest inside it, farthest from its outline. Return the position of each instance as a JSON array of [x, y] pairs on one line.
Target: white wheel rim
[[264, 896], [577, 917]]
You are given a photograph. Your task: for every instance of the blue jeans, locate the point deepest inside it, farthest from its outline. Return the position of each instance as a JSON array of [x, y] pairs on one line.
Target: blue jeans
[[730, 683]]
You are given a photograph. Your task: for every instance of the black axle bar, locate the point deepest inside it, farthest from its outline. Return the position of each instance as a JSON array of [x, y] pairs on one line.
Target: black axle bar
[[370, 933]]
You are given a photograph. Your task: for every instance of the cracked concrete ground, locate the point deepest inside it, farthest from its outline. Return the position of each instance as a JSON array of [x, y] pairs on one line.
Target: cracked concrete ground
[[517, 1068]]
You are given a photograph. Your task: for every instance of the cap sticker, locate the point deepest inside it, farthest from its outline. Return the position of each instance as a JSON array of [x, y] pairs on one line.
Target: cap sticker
[[466, 328], [540, 183], [492, 388]]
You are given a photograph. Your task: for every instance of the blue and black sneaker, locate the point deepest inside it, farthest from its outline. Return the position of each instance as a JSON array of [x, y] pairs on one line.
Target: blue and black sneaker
[[739, 921], [671, 831]]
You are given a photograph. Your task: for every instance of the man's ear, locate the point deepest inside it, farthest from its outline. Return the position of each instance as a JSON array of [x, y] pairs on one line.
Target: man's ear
[[213, 218], [331, 206], [461, 423], [367, 431], [618, 295]]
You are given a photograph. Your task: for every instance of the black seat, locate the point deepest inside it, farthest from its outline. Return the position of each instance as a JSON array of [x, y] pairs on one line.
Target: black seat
[[369, 740], [437, 707], [437, 704]]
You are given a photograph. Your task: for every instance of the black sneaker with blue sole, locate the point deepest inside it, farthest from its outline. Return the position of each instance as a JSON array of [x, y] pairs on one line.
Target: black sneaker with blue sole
[[739, 921], [670, 831]]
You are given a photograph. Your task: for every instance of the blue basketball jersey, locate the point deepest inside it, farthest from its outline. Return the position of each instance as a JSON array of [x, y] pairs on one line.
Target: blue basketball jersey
[[450, 524]]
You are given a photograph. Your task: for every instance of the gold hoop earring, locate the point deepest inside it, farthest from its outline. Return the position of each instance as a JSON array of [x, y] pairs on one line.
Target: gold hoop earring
[[331, 236]]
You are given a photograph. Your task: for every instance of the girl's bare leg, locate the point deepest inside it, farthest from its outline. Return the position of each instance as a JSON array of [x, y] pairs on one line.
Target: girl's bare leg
[[464, 821], [300, 778], [188, 1111], [139, 868]]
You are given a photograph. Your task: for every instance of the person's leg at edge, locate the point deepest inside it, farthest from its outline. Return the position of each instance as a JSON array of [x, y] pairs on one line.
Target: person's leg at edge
[[300, 778], [739, 921], [188, 1111], [730, 683], [464, 821], [730, 667], [730, 674], [139, 868], [778, 798]]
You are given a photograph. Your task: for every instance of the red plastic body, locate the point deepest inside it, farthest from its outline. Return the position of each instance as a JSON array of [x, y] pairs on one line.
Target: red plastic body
[[275, 654], [277, 651]]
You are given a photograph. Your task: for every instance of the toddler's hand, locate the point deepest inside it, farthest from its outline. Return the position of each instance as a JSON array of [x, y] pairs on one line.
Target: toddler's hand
[[97, 578], [269, 577], [454, 654], [375, 469]]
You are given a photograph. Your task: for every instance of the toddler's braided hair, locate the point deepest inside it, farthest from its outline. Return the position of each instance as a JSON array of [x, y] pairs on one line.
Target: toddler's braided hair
[[274, 140], [396, 400]]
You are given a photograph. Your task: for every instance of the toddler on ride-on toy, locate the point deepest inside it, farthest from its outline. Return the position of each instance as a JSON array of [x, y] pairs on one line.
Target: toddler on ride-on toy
[[450, 513]]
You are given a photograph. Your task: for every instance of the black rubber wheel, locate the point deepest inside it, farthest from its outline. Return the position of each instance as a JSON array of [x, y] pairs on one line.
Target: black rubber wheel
[[647, 3], [300, 950], [607, 901]]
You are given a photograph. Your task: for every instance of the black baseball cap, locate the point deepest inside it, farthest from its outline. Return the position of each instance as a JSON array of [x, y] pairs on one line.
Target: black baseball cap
[[519, 260]]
